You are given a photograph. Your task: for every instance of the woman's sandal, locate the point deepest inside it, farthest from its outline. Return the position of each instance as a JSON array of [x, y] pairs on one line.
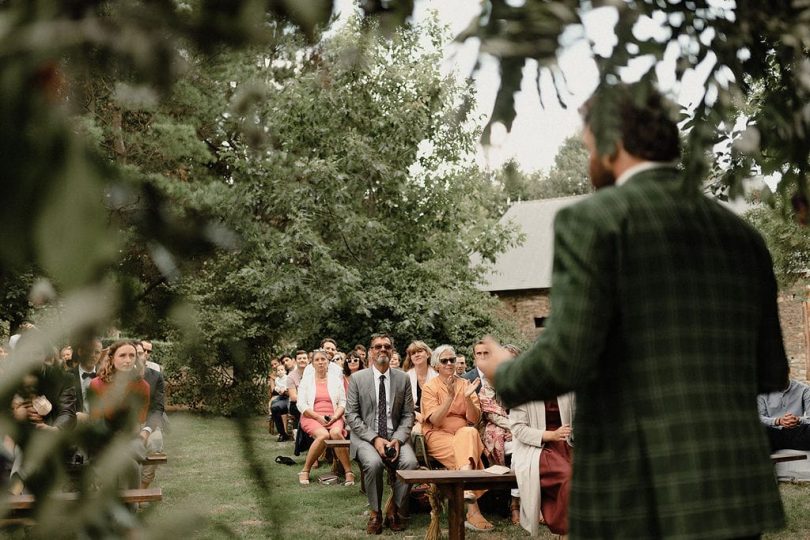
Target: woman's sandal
[[515, 508], [477, 522], [303, 478], [349, 479]]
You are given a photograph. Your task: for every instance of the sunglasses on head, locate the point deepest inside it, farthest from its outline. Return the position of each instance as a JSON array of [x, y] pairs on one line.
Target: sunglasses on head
[[446, 361]]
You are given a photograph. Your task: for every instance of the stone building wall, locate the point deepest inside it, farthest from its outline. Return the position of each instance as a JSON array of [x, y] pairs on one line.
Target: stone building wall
[[795, 328], [527, 308]]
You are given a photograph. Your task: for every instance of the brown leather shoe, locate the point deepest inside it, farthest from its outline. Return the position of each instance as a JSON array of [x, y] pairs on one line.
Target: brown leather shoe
[[375, 525], [394, 522]]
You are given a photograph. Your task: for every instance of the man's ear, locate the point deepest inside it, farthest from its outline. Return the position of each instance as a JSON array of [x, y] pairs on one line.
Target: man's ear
[[618, 149]]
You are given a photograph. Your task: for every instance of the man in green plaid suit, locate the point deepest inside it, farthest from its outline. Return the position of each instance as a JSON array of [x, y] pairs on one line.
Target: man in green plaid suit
[[664, 322]]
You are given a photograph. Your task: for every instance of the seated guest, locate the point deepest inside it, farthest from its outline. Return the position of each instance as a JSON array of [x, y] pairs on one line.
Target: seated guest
[[451, 409], [86, 356], [541, 457], [496, 420], [147, 354], [66, 357], [786, 416], [417, 366], [280, 403], [461, 365], [339, 360], [119, 399], [360, 351], [395, 360], [496, 425], [480, 353], [289, 363], [353, 365], [44, 401], [293, 380], [322, 402], [152, 431], [379, 411]]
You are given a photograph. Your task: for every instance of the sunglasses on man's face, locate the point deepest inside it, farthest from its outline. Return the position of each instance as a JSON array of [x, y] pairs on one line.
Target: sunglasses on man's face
[[382, 347], [446, 361]]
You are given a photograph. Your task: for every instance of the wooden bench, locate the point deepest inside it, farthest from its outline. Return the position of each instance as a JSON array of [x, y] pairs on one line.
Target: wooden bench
[[24, 502], [779, 457], [452, 484], [155, 459]]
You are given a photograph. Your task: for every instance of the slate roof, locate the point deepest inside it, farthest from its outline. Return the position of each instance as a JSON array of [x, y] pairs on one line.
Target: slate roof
[[527, 266]]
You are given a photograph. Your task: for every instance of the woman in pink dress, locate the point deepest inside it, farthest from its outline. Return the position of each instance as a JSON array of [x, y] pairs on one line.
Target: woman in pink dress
[[322, 402]]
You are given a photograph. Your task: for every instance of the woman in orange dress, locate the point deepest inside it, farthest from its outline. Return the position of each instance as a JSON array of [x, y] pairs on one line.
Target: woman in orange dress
[[450, 410]]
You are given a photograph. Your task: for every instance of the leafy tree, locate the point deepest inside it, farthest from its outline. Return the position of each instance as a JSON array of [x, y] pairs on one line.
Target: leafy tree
[[787, 241], [568, 176], [311, 165]]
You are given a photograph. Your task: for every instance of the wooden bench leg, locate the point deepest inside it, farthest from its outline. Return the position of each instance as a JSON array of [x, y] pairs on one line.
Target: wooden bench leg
[[455, 511]]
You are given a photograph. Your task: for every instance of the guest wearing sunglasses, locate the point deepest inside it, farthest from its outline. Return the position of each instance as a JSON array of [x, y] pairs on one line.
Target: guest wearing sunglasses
[[352, 365], [451, 410]]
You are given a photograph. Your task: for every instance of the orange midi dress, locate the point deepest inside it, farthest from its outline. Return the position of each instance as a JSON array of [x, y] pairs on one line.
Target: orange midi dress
[[456, 441]]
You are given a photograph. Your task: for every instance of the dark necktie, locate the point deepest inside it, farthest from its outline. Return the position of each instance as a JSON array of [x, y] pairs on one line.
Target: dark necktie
[[89, 375], [382, 411]]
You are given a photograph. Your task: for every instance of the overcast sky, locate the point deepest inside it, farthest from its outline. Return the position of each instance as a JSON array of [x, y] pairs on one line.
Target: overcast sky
[[539, 130]]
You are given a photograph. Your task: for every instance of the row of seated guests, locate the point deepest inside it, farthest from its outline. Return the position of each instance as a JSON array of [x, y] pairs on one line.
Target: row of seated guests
[[428, 396], [51, 398], [450, 407]]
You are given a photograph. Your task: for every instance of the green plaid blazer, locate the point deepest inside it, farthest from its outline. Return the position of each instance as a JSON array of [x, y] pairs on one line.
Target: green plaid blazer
[[664, 322]]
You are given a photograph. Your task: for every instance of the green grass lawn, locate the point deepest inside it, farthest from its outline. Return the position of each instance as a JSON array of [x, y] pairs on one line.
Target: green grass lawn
[[209, 487]]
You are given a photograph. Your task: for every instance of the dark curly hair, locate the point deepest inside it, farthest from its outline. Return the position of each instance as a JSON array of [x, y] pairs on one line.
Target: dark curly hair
[[638, 115]]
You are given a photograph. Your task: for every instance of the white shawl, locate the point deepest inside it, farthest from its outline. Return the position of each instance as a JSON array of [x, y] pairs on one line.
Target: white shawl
[[412, 374], [334, 383], [528, 423]]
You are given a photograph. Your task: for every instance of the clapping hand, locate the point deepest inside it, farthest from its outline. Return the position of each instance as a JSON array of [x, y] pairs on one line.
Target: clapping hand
[[472, 387]]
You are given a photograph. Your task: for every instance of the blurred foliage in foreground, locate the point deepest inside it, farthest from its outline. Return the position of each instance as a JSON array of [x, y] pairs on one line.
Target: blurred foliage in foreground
[[159, 180]]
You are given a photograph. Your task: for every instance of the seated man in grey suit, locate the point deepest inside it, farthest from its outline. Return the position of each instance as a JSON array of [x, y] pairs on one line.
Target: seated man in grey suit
[[379, 411]]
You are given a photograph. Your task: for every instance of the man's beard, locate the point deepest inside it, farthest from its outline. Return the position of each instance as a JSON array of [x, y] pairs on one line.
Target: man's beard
[[382, 359]]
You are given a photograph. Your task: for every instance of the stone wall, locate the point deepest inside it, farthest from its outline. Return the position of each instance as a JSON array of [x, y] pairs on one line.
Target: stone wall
[[527, 309], [795, 328]]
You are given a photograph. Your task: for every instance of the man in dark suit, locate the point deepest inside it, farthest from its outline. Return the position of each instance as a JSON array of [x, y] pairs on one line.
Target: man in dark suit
[[44, 401], [480, 353], [152, 431], [86, 356], [379, 411], [664, 321]]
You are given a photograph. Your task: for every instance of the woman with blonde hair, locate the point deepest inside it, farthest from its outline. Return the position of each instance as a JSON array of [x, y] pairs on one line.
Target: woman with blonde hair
[[417, 366]]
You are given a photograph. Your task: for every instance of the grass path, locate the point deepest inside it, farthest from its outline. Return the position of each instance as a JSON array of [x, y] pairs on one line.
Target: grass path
[[207, 487]]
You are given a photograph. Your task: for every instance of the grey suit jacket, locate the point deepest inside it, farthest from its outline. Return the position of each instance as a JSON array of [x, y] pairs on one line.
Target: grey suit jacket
[[361, 407], [471, 375]]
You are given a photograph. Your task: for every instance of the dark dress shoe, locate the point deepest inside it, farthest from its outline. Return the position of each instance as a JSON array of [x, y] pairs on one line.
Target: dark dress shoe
[[283, 437], [394, 522], [374, 525]]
